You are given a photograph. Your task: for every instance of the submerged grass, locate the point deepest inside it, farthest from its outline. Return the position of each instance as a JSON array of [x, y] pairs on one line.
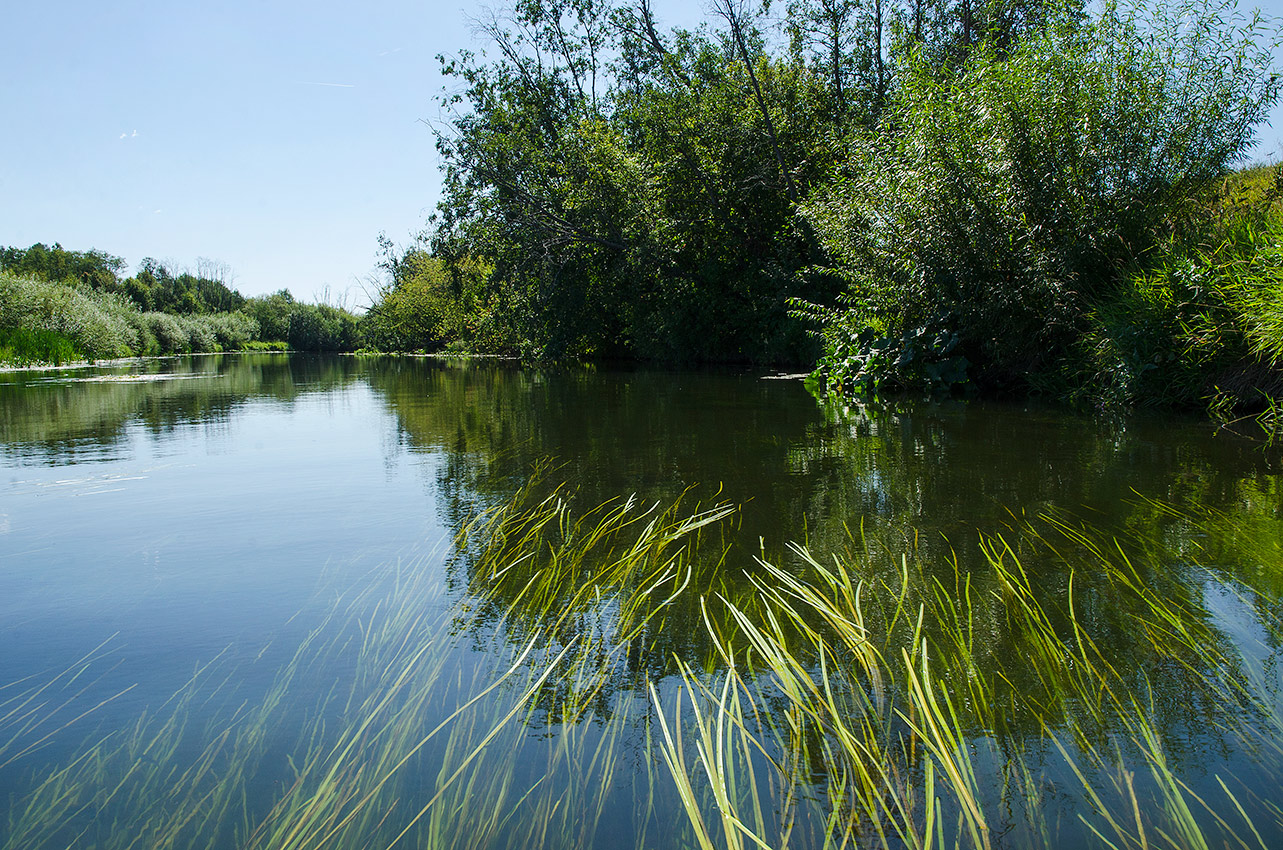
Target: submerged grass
[[353, 774], [923, 744], [1046, 694]]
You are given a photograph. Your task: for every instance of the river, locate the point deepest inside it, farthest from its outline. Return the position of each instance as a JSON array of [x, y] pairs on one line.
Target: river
[[232, 584]]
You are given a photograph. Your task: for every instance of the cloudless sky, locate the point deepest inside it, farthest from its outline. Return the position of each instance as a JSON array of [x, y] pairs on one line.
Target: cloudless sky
[[276, 136]]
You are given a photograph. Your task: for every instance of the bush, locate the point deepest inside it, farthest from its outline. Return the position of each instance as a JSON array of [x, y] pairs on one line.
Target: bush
[[1200, 321], [171, 336], [52, 316], [232, 331], [200, 333], [1013, 194], [321, 328], [95, 322], [272, 313]]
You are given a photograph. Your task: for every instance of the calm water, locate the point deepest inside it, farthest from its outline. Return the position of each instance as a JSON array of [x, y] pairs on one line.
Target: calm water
[[180, 511]]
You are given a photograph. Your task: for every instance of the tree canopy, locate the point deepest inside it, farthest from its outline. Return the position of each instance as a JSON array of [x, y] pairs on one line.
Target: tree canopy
[[931, 184]]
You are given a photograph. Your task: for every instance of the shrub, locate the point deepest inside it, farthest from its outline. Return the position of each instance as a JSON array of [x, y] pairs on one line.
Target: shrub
[[272, 313], [95, 322], [321, 328], [1201, 320], [200, 333], [232, 331], [171, 337], [1013, 194]]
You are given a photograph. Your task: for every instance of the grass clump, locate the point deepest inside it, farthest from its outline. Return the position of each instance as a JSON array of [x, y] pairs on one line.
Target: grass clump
[[885, 698], [26, 347]]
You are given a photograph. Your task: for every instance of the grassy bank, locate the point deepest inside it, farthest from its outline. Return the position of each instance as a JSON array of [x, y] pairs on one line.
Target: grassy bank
[[50, 322], [1076, 690], [1199, 322]]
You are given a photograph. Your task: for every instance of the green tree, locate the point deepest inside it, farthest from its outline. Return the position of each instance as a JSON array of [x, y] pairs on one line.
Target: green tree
[[272, 312], [641, 209], [1009, 196]]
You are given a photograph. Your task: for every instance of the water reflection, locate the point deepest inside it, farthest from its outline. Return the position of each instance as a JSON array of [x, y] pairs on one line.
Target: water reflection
[[292, 462], [79, 414]]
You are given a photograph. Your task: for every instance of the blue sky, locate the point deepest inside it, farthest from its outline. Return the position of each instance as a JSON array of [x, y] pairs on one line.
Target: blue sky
[[279, 137]]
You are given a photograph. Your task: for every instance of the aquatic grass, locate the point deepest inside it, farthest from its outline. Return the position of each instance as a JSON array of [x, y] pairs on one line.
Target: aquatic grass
[[886, 694], [425, 743], [610, 576], [842, 703], [165, 783]]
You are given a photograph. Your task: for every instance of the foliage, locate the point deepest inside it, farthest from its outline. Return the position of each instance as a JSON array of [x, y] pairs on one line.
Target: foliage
[[320, 327], [981, 177], [306, 327], [429, 303], [41, 317], [156, 286], [272, 312], [861, 361], [94, 268], [1200, 322], [638, 208], [232, 331], [25, 346], [97, 323], [1012, 192]]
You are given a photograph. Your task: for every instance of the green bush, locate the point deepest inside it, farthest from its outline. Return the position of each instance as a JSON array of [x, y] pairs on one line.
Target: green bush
[[102, 324], [272, 313], [433, 305], [233, 331], [200, 333], [320, 327], [1013, 194], [171, 337], [1201, 320], [95, 322]]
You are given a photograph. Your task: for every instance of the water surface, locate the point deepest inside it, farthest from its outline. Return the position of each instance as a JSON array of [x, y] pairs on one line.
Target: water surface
[[182, 510]]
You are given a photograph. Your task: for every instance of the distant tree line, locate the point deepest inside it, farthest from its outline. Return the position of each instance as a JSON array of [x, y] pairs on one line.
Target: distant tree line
[[156, 286], [912, 193], [58, 304]]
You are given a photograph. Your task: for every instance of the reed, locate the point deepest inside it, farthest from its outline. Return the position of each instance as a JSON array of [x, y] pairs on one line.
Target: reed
[[884, 689]]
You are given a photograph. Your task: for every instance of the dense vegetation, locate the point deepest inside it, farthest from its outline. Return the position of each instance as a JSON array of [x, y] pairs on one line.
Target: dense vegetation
[[58, 305], [947, 191]]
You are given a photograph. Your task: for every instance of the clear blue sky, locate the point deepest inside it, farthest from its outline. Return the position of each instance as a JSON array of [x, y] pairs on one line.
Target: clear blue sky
[[276, 136]]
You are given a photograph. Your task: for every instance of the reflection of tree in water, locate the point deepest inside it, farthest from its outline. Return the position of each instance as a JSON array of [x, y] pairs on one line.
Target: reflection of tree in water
[[60, 420], [904, 473], [871, 484]]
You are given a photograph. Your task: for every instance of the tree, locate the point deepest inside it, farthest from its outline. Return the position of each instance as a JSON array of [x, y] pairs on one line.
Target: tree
[[1014, 191]]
